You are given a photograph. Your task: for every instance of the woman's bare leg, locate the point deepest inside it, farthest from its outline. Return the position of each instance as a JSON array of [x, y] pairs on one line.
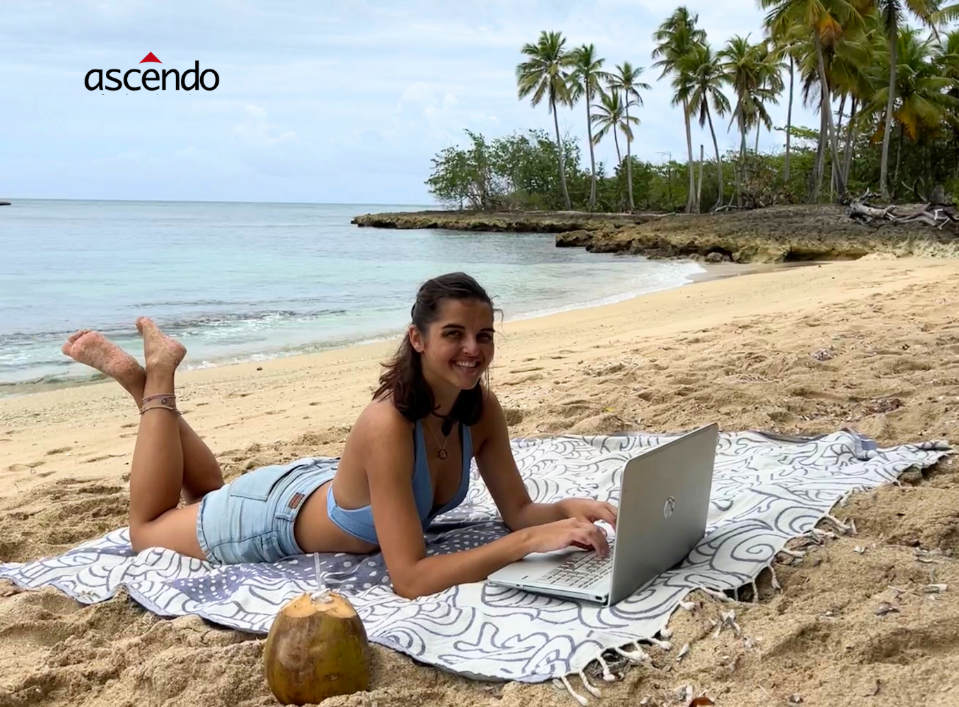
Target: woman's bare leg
[[156, 472], [201, 471]]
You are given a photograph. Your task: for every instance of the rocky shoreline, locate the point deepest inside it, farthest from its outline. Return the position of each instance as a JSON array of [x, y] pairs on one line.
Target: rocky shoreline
[[770, 235], [505, 221]]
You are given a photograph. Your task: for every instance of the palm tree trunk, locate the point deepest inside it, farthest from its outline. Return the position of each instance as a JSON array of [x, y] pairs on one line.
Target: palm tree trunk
[[691, 203], [619, 157], [742, 161], [592, 154], [895, 178], [719, 161], [559, 151], [890, 104], [850, 139], [789, 121], [740, 167], [815, 185], [759, 127], [629, 162], [699, 188], [836, 165], [827, 104]]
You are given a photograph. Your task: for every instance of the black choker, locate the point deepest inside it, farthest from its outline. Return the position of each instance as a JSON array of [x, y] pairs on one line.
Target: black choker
[[447, 425]]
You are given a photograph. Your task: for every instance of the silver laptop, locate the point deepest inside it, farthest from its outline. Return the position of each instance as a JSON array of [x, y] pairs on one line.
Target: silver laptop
[[664, 500]]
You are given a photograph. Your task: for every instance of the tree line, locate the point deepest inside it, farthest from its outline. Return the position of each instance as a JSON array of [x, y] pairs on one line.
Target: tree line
[[887, 95]]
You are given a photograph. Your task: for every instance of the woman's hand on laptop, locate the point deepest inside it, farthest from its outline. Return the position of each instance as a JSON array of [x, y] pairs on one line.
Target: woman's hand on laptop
[[588, 509], [562, 534]]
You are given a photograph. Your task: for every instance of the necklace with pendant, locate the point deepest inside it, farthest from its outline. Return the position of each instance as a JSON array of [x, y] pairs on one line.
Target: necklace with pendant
[[441, 453]]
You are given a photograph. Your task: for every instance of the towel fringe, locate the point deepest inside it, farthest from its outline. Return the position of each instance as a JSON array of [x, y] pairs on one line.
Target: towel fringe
[[637, 656], [818, 535], [607, 673], [579, 698], [842, 527], [775, 580], [665, 645], [589, 688], [716, 594], [755, 587]]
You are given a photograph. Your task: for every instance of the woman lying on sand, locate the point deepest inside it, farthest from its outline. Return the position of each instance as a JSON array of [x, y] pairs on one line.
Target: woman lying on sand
[[400, 468]]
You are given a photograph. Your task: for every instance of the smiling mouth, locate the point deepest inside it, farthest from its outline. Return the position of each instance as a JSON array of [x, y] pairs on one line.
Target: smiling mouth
[[466, 365]]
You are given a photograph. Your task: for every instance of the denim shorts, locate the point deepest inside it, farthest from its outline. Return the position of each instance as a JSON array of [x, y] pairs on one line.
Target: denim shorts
[[251, 518]]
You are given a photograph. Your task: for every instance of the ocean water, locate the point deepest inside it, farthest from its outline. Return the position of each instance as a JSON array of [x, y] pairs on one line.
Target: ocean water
[[243, 281]]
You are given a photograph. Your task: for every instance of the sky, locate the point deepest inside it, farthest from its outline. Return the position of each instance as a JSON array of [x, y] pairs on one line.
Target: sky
[[317, 101]]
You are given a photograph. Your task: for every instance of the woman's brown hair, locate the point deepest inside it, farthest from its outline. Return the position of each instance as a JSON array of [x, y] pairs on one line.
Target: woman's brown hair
[[403, 374]]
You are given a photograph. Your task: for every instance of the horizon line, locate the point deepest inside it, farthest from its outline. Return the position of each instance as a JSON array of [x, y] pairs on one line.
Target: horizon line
[[12, 199]]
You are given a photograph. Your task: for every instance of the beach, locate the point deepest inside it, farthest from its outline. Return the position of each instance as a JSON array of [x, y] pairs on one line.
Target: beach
[[870, 344]]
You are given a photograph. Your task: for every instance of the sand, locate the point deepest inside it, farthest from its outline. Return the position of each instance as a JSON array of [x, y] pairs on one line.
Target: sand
[[871, 344]]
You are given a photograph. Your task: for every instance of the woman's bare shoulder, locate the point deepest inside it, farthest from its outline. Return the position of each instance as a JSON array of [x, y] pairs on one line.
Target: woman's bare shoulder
[[381, 439], [381, 418]]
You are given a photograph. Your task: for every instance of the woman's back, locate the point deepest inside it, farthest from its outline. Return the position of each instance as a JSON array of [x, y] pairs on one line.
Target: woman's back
[[438, 484]]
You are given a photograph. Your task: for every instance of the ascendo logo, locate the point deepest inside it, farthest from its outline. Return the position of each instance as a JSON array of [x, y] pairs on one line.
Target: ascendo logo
[[152, 79]]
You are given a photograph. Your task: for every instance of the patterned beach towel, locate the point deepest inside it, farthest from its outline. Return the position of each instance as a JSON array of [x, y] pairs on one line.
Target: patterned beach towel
[[766, 490]]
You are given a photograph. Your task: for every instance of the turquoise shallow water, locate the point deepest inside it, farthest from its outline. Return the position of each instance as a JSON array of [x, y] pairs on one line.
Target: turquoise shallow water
[[243, 281]]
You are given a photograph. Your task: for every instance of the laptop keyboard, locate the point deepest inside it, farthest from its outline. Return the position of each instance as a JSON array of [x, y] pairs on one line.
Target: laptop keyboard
[[580, 572]]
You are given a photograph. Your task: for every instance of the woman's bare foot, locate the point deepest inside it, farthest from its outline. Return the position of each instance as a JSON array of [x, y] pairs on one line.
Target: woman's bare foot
[[159, 350], [93, 349]]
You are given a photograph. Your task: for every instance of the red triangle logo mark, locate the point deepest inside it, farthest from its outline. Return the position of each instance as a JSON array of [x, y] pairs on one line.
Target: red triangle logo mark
[[150, 58]]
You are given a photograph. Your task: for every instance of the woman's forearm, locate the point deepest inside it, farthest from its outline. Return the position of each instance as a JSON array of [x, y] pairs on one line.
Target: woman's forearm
[[537, 514], [439, 572]]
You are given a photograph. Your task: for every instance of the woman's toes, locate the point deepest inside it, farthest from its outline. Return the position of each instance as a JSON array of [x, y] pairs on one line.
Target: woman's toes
[[71, 340]]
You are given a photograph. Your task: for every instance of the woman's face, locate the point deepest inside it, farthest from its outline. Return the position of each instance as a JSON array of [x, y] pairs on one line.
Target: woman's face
[[458, 347]]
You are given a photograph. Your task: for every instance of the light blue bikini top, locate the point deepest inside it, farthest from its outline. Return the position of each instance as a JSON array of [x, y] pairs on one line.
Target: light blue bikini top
[[358, 522]]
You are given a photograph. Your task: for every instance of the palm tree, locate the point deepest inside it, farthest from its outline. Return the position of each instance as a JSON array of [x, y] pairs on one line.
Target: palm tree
[[788, 43], [924, 93], [707, 79], [742, 70], [586, 79], [948, 61], [892, 12], [610, 116], [545, 74], [849, 73], [948, 13], [825, 21], [675, 39], [626, 79], [847, 70], [769, 68]]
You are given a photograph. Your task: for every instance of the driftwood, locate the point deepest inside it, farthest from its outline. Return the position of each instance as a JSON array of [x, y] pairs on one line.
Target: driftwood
[[931, 214]]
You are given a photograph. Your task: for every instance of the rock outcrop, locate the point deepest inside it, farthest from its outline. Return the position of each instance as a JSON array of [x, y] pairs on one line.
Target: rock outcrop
[[510, 221], [770, 235]]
